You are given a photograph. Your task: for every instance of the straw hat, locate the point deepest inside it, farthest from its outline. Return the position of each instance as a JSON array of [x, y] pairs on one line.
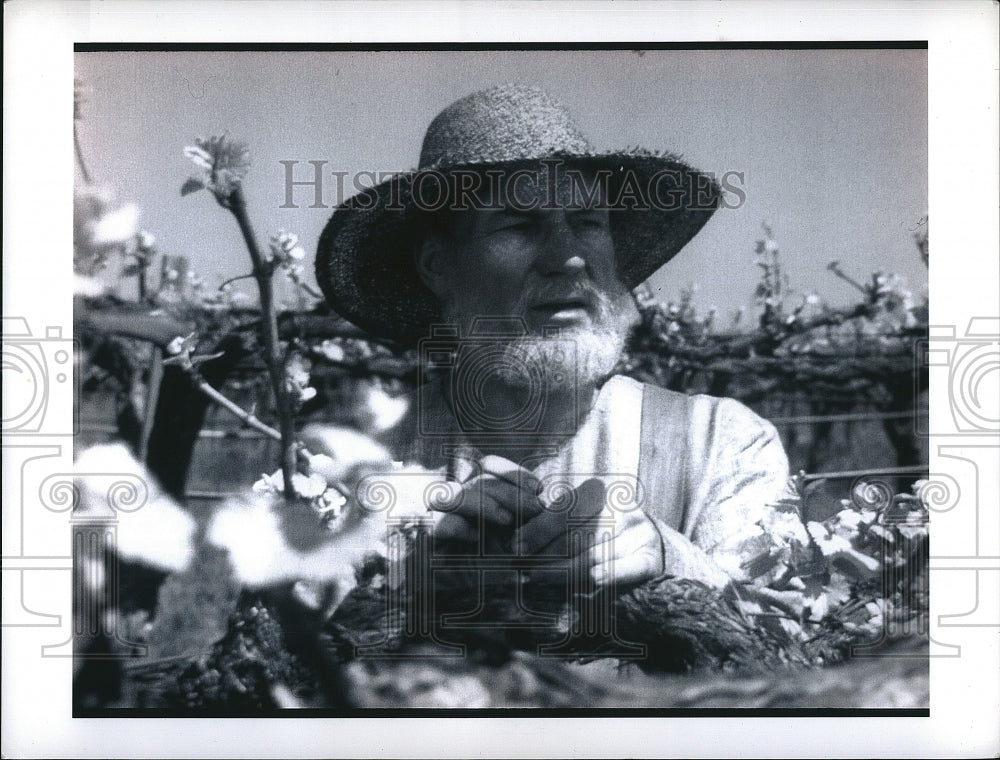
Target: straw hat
[[364, 262]]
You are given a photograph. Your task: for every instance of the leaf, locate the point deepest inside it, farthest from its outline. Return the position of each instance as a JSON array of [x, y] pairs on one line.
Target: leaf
[[192, 185], [882, 532], [856, 565], [199, 157], [828, 542], [912, 532], [760, 564]]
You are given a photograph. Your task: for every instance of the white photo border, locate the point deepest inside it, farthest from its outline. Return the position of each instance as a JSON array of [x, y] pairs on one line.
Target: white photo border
[[962, 59]]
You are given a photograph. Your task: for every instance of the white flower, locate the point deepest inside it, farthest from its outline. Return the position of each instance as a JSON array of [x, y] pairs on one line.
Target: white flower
[[87, 286], [383, 411], [309, 486], [332, 350], [345, 449], [285, 248], [155, 532], [270, 483], [297, 369], [297, 377], [117, 227]]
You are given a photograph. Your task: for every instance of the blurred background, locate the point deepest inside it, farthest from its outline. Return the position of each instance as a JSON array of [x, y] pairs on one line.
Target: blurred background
[[832, 149], [832, 143]]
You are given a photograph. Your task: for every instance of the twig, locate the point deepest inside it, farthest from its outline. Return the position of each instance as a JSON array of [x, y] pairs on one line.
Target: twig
[[236, 279], [78, 152], [248, 419], [834, 266], [152, 398], [303, 285], [263, 271]]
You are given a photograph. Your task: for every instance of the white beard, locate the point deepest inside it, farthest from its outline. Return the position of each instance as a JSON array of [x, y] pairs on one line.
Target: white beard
[[596, 349]]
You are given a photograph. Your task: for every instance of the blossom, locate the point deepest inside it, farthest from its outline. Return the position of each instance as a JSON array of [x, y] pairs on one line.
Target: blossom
[[87, 286], [100, 228], [224, 163], [270, 483], [327, 502], [893, 299], [331, 350], [285, 248], [145, 240], [151, 530], [180, 350], [309, 486], [182, 344], [297, 370]]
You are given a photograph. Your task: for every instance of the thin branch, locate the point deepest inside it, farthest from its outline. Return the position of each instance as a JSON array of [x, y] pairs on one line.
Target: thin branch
[[263, 271], [236, 279], [248, 419], [834, 267], [84, 172], [152, 399]]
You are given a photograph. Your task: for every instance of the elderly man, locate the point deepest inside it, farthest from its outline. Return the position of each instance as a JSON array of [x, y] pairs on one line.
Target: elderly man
[[507, 259]]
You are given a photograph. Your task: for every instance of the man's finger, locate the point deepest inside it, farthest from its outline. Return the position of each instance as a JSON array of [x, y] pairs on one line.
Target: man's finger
[[479, 498], [516, 501], [539, 533], [525, 481], [628, 569], [455, 527], [511, 472], [548, 533]]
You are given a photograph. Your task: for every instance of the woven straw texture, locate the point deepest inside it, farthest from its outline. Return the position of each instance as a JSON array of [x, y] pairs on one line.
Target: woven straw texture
[[364, 262]]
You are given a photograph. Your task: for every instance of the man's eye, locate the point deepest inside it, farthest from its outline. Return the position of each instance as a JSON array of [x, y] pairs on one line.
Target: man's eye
[[516, 225], [591, 223]]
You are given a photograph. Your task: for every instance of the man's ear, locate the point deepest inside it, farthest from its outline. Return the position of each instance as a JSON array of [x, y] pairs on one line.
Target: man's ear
[[430, 259]]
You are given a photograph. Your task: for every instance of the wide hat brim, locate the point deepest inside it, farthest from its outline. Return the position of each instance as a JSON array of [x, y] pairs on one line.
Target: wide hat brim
[[365, 258]]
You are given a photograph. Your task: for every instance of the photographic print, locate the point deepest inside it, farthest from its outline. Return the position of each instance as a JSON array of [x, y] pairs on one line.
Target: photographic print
[[415, 389], [425, 414]]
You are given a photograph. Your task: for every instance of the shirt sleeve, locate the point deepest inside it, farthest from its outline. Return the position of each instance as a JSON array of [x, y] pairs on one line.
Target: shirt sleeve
[[736, 481]]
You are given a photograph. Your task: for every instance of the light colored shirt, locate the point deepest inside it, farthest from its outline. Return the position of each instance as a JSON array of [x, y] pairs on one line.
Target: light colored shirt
[[721, 471]]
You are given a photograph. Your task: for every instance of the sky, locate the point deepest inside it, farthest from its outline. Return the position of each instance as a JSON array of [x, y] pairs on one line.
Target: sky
[[832, 144]]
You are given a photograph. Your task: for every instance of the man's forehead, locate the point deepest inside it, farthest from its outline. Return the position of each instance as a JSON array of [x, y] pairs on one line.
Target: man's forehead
[[541, 187]]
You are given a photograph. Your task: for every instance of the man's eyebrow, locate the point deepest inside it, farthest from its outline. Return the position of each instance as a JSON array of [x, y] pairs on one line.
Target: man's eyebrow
[[514, 211]]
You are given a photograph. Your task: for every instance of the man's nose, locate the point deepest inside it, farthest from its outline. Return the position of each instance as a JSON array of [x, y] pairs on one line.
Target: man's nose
[[560, 251]]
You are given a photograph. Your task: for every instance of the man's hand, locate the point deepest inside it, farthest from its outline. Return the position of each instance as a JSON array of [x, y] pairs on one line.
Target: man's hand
[[495, 496], [628, 546]]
